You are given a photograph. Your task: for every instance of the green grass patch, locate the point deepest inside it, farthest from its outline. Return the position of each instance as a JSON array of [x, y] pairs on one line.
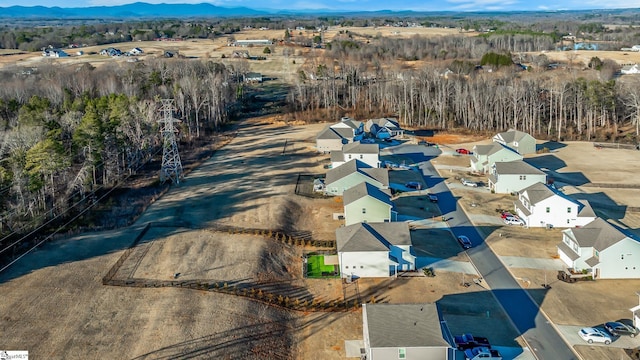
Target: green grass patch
[[316, 267]]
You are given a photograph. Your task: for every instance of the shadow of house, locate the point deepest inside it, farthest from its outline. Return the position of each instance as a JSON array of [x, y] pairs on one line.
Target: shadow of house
[[550, 145], [546, 162], [603, 205]]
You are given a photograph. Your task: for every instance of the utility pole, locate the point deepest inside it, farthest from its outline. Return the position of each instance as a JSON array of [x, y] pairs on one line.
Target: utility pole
[[171, 165]]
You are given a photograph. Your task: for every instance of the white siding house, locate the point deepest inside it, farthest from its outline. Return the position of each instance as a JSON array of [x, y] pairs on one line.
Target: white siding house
[[540, 205], [513, 176], [366, 203], [404, 331], [374, 249], [355, 127], [353, 173], [331, 139], [367, 153], [519, 141], [602, 250], [484, 156]]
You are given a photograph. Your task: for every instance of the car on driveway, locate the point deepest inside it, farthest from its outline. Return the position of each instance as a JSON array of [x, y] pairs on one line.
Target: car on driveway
[[592, 335], [617, 329], [432, 197], [512, 220], [463, 151], [468, 341], [464, 242], [506, 214], [466, 182], [413, 185]]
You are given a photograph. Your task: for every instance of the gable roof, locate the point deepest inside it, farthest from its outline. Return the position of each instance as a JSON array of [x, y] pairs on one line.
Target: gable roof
[[403, 325], [598, 234], [372, 236], [512, 135], [516, 167], [539, 192], [586, 210], [357, 147], [493, 148], [355, 165], [365, 189], [354, 124], [385, 122], [329, 133]]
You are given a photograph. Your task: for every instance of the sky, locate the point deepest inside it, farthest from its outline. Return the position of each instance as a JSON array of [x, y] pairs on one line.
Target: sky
[[366, 5]]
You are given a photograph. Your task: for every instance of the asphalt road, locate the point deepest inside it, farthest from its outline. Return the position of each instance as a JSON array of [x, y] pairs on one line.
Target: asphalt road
[[545, 342]]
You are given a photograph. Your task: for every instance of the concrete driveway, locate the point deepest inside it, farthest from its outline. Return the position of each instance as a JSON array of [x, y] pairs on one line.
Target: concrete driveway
[[570, 333]]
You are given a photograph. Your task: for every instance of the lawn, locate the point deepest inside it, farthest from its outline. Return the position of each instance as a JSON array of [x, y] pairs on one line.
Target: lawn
[[316, 267]]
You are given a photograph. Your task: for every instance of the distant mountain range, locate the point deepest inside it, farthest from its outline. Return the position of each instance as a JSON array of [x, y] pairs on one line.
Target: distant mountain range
[[134, 10]]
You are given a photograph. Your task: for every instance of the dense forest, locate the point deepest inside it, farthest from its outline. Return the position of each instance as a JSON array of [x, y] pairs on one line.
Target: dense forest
[[67, 133]]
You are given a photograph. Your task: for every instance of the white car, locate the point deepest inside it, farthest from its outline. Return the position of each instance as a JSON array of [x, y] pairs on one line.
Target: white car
[[466, 182], [592, 335], [512, 220]]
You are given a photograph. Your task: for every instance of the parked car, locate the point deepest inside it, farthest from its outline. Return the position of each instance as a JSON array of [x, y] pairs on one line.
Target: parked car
[[592, 335], [466, 182], [426, 143], [432, 197], [481, 353], [468, 341], [466, 244], [414, 185], [512, 220], [506, 214], [617, 329], [463, 151]]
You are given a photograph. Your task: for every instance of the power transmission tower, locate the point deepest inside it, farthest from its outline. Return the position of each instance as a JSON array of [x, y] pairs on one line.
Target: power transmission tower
[[171, 164]]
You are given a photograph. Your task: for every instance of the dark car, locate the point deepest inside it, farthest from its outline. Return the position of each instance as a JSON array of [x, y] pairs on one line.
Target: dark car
[[618, 329], [413, 185], [465, 243], [468, 341], [432, 197]]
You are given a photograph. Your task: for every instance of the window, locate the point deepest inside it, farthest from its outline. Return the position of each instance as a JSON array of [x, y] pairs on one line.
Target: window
[[364, 211], [361, 267], [548, 209], [349, 156], [402, 353], [523, 177], [568, 210], [361, 156]]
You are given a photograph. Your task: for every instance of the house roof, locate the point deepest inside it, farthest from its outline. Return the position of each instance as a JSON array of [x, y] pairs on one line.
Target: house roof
[[385, 122], [328, 133], [516, 167], [522, 208], [357, 147], [403, 325], [492, 149], [355, 165], [537, 192], [568, 251], [598, 234], [586, 210], [372, 236], [354, 124], [336, 156], [592, 261], [344, 132], [512, 135], [365, 189]]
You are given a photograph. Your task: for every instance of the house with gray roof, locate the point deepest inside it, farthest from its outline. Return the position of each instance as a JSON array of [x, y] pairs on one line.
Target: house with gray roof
[[330, 139], [541, 205], [355, 127], [484, 156], [404, 331], [513, 176], [383, 128], [367, 203], [374, 249], [367, 153], [602, 249], [519, 141], [353, 173]]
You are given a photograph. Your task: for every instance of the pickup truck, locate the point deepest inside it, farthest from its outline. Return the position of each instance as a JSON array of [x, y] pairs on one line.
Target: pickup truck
[[481, 353], [468, 341]]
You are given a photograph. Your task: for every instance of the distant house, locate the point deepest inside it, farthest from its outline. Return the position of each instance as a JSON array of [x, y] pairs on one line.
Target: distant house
[[484, 156], [513, 176], [253, 77], [630, 69], [374, 249], [367, 153], [357, 127], [136, 51], [241, 54], [602, 250], [365, 202], [55, 53], [404, 331], [111, 52], [541, 205], [353, 173], [383, 128], [585, 46], [254, 42], [519, 141]]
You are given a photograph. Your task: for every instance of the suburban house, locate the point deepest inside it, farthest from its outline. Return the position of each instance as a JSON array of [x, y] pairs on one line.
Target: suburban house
[[136, 51], [484, 156], [540, 205], [519, 141], [602, 250], [353, 173], [252, 42], [383, 128], [513, 176], [356, 127], [366, 203], [331, 139], [374, 249], [630, 69], [253, 77], [367, 153], [404, 331], [57, 53]]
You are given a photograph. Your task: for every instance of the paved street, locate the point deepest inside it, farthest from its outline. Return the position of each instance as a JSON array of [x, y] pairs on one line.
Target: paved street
[[544, 340]]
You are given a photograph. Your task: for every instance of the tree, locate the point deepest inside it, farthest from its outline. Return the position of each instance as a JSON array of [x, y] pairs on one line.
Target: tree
[[267, 50]]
